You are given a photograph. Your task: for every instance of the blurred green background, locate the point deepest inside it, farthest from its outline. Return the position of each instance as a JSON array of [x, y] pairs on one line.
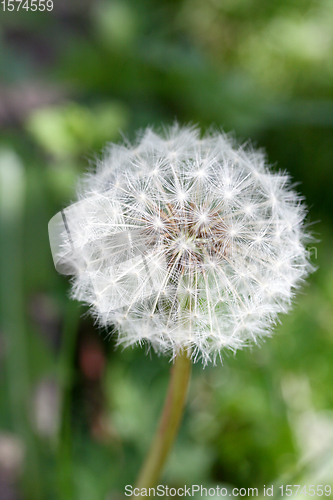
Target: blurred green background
[[76, 415]]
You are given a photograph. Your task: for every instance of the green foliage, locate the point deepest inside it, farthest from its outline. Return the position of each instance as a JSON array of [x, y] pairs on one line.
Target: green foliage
[[72, 129]]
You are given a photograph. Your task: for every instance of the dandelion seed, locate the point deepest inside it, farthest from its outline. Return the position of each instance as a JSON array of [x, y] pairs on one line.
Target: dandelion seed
[[184, 243]]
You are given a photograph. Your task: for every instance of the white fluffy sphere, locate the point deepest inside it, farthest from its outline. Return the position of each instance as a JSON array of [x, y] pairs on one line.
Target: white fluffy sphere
[[184, 242]]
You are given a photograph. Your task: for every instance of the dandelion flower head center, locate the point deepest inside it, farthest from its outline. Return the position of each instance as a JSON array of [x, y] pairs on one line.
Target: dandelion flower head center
[[188, 235]]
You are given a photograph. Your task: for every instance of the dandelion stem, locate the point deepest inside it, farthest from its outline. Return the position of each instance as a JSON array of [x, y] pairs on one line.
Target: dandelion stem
[[169, 422]]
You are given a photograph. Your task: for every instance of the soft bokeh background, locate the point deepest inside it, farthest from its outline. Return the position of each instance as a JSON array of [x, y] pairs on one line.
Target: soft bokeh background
[[76, 415]]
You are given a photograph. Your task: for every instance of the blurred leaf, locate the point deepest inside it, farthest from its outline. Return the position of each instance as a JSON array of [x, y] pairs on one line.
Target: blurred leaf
[[115, 22], [72, 129]]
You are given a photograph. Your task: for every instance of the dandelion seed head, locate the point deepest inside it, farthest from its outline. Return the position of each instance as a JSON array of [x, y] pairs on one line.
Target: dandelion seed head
[[184, 242]]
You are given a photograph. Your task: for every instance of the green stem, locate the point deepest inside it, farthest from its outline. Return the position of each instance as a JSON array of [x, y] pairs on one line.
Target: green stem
[[169, 422]]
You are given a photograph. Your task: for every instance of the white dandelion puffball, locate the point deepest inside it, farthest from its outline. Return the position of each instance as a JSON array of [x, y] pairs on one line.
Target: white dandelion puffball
[[184, 242]]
